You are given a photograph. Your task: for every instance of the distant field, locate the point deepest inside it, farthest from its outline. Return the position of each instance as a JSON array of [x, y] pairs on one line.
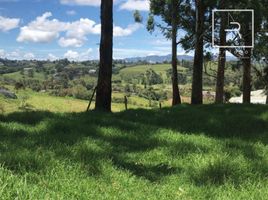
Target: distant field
[[43, 102], [158, 68], [161, 68], [18, 76]]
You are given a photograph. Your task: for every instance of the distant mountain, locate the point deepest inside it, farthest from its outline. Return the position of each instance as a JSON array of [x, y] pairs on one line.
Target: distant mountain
[[154, 59], [160, 59]]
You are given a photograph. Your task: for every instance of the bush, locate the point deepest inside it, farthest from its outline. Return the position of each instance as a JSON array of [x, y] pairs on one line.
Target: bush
[[80, 92], [232, 91]]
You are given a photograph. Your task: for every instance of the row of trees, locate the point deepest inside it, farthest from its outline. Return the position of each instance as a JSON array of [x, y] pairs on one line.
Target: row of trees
[[194, 17], [199, 12]]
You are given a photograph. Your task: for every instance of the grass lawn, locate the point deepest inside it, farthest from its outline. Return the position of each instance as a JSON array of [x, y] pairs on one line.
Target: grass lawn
[[188, 152]]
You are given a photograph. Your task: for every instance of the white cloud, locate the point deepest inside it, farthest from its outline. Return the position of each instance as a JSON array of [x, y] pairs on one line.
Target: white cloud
[[119, 32], [71, 12], [81, 2], [161, 42], [17, 54], [70, 42], [74, 55], [14, 55], [31, 35], [86, 55], [7, 24], [84, 26], [2, 53], [52, 57], [28, 56], [71, 55], [126, 53], [44, 30], [142, 5]]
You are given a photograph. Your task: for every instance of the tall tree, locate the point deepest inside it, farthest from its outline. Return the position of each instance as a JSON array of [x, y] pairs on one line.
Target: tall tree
[[260, 21], [197, 83], [260, 54], [245, 54], [169, 11], [222, 56], [198, 12], [174, 23], [104, 86]]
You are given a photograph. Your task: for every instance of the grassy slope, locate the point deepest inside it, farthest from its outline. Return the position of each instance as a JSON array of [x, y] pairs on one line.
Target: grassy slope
[[200, 152], [44, 102], [158, 68], [17, 76]]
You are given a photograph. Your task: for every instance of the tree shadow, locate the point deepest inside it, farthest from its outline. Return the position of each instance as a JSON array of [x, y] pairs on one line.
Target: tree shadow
[[218, 121], [27, 117], [153, 173], [133, 132]]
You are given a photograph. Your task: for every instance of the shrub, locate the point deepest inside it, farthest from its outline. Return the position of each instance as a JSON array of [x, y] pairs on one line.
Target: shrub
[[80, 92]]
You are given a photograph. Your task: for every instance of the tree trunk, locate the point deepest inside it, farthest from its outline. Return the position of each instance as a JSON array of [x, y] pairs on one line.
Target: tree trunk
[[104, 87], [222, 59], [267, 99], [247, 72], [197, 83], [246, 80], [175, 88]]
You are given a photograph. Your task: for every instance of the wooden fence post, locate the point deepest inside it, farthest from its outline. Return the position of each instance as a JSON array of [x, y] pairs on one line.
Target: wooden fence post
[[125, 101], [91, 98]]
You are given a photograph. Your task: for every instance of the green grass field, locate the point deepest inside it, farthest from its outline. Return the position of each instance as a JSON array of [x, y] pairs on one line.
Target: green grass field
[[34, 101], [140, 69], [17, 76], [188, 152]]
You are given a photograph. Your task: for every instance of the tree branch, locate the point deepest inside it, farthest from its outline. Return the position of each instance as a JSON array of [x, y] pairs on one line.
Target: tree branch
[[186, 39]]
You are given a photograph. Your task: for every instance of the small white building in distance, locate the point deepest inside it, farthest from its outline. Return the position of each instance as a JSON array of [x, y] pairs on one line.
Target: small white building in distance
[[257, 97], [92, 71]]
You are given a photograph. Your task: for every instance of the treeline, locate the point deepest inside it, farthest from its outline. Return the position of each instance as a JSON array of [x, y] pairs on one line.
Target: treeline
[[195, 18]]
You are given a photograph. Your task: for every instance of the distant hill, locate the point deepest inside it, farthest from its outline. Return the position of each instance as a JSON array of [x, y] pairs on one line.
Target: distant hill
[[160, 59]]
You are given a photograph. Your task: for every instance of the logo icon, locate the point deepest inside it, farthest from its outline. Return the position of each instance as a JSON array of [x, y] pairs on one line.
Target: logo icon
[[240, 26]]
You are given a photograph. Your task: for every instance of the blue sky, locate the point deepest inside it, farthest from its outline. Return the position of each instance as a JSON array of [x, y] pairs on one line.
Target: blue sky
[[53, 29]]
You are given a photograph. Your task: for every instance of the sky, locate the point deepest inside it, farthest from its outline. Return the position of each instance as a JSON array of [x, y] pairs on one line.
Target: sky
[[56, 29]]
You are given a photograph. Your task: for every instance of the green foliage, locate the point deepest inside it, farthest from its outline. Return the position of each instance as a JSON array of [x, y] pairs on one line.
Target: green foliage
[[231, 91], [152, 78], [80, 92], [137, 17], [23, 102], [182, 77], [151, 94], [31, 73]]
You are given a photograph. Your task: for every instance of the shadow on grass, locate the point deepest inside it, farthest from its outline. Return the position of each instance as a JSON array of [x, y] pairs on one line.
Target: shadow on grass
[[133, 131], [219, 121]]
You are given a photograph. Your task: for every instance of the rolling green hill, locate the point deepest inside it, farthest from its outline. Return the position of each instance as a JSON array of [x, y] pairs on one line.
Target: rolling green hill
[[139, 69], [18, 76]]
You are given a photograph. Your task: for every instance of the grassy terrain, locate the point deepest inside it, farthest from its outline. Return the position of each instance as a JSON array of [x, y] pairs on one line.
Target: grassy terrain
[[160, 68], [18, 76], [139, 69], [34, 101], [188, 152]]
